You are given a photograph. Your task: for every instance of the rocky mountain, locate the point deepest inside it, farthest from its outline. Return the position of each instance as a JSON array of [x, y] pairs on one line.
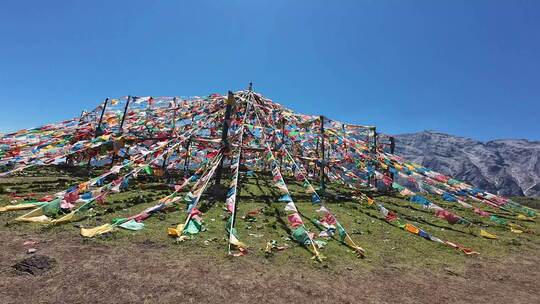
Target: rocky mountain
[[506, 166]]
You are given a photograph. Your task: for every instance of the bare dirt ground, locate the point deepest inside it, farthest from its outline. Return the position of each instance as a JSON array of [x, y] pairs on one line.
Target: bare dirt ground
[[147, 272]]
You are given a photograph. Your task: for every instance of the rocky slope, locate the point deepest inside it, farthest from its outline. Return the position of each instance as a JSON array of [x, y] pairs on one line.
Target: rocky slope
[[506, 166]]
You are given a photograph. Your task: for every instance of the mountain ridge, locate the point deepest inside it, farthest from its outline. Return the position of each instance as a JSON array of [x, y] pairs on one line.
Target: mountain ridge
[[503, 166]]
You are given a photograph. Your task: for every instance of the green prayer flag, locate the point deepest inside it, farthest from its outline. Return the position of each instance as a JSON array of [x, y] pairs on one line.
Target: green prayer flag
[[118, 220], [148, 170], [132, 225], [52, 208], [341, 232], [193, 227], [301, 235]]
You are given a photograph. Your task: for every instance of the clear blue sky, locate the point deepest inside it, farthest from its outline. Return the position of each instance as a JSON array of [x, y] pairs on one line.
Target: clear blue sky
[[469, 68]]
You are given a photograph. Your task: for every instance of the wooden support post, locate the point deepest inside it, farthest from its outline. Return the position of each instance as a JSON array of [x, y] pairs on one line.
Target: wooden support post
[[374, 154], [173, 128], [374, 148], [317, 153], [239, 181], [188, 155], [121, 130], [323, 160], [282, 144], [164, 166], [329, 151], [224, 135], [344, 134], [83, 113], [124, 116], [98, 131], [165, 157], [392, 148]]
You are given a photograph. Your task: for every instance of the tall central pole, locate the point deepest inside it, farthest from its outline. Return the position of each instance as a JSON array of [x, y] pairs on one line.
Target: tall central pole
[[239, 182]]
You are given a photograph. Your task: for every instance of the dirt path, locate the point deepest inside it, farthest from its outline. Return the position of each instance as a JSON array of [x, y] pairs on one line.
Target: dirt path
[[149, 273]]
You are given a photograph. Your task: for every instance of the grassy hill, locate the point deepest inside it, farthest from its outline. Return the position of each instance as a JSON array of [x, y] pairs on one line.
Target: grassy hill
[[398, 265]]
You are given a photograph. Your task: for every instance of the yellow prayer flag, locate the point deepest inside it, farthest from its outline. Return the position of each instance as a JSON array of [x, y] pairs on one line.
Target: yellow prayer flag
[[34, 216], [234, 241], [176, 232], [64, 219], [91, 232], [487, 234], [370, 201], [516, 230], [172, 232], [349, 242], [42, 219], [18, 207], [524, 218]]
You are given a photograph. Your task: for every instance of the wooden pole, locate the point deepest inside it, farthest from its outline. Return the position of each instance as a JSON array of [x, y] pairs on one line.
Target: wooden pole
[[282, 144], [224, 134], [374, 154], [173, 128], [124, 116], [98, 131], [121, 130], [98, 128], [323, 160], [188, 154], [344, 133], [239, 181], [374, 148]]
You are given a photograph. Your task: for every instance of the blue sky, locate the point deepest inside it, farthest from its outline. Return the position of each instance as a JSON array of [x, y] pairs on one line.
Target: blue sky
[[469, 68]]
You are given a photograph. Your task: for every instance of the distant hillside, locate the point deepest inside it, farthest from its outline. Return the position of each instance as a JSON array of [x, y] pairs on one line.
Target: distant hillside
[[506, 166]]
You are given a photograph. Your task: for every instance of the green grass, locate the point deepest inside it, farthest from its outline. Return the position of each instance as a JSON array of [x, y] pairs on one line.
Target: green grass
[[533, 202], [384, 243]]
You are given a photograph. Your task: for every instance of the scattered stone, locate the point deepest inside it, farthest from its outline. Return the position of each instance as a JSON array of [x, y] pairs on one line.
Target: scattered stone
[[35, 265], [31, 250], [30, 242]]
